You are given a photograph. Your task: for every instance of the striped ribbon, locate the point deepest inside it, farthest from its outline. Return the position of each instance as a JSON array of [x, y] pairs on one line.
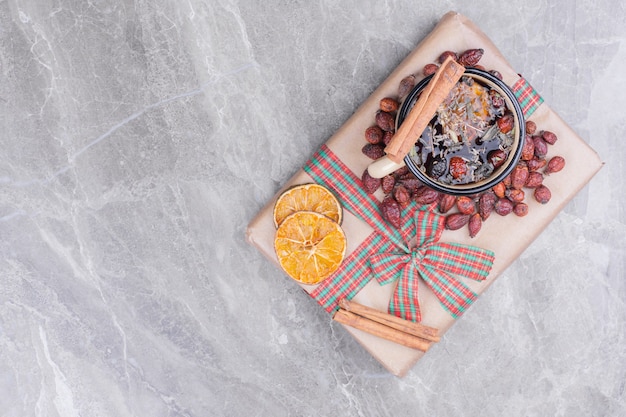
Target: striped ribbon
[[386, 255], [437, 264], [527, 96]]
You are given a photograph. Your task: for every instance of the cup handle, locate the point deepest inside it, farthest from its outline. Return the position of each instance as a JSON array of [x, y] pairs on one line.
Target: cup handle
[[383, 166]]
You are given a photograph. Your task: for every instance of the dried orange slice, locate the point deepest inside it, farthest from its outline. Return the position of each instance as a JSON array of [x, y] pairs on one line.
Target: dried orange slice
[[307, 197], [309, 246]]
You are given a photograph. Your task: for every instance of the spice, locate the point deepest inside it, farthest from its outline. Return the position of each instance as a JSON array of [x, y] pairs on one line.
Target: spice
[[470, 136], [504, 198], [436, 91]]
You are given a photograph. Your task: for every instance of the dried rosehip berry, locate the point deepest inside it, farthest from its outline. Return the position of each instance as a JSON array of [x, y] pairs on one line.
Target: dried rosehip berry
[[370, 184], [402, 195], [531, 127], [425, 195], [507, 181], [519, 175], [505, 123], [387, 136], [389, 105], [446, 202], [445, 56], [515, 195], [387, 183], [465, 205], [410, 182], [536, 164], [455, 221], [374, 134], [535, 179], [503, 206], [391, 211], [470, 57], [430, 69], [555, 164], [475, 223], [406, 85], [542, 194], [385, 121], [496, 74], [401, 172], [373, 151], [499, 189], [528, 150], [541, 147], [520, 209], [458, 167], [497, 157], [486, 204], [549, 137]]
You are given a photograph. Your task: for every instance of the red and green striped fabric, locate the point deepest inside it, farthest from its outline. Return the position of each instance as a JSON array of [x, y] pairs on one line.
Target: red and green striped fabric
[[527, 97], [355, 271], [437, 264], [353, 274], [386, 254]]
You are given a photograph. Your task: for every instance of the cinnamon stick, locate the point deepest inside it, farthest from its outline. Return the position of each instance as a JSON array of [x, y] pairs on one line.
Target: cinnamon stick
[[406, 326], [377, 329], [424, 109]]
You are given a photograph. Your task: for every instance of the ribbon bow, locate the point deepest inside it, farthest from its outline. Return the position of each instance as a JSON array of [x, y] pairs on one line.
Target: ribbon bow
[[437, 264], [386, 253]]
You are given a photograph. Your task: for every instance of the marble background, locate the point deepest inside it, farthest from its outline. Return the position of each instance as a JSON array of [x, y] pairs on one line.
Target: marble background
[[140, 137]]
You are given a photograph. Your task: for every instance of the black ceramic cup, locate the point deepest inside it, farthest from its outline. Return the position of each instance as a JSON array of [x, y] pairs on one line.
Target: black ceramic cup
[[492, 82]]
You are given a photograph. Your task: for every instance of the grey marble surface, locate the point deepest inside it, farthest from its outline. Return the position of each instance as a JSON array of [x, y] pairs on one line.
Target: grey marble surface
[[140, 137]]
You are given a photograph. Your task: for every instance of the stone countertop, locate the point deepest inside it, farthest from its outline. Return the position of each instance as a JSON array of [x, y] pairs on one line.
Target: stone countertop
[[140, 138]]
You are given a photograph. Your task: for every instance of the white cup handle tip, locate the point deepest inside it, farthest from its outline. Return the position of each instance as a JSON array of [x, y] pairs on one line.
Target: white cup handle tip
[[383, 166]]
